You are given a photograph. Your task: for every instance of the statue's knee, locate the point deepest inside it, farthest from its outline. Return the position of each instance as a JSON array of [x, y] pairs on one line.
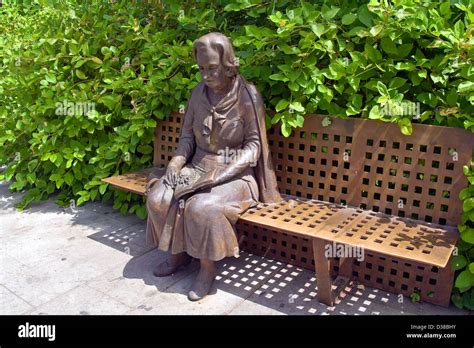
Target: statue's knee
[[202, 208], [153, 203]]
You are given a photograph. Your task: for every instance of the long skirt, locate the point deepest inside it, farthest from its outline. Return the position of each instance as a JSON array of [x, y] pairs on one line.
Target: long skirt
[[202, 225]]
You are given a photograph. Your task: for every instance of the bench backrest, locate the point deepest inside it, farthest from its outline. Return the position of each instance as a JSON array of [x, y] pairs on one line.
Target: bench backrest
[[363, 163]]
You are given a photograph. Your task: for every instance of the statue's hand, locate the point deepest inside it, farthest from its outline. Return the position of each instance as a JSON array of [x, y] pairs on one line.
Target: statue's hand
[[171, 175]]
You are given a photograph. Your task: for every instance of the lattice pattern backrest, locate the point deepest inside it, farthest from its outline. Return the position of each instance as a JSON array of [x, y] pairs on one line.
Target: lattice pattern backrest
[[363, 163], [315, 162], [372, 165], [166, 139], [418, 176]]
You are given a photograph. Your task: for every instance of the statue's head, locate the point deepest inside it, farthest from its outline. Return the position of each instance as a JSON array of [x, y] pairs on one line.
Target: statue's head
[[215, 57]]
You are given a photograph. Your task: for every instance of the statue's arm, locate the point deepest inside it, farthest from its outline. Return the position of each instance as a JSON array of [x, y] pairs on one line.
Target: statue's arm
[[251, 148], [187, 142], [184, 150]]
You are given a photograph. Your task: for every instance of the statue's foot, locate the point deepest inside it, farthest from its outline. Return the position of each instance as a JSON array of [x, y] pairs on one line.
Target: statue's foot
[[172, 264], [203, 283]]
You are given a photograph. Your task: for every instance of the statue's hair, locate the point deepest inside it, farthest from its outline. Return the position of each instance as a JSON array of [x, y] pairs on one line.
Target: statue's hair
[[222, 45]]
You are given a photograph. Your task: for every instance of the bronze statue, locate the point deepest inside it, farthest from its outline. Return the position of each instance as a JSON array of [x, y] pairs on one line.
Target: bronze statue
[[222, 167]]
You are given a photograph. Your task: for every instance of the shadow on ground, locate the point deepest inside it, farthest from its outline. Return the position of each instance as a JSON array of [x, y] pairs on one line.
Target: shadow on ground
[[248, 284]]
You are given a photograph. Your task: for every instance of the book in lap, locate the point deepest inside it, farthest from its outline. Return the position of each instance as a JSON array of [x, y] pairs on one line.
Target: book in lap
[[192, 181]]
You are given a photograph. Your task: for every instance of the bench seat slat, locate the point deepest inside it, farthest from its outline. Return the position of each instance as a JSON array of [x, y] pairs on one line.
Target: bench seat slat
[[398, 237], [133, 182], [294, 216]]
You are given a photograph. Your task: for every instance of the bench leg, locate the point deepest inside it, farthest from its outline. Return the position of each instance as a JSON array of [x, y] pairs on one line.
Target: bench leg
[[323, 272]]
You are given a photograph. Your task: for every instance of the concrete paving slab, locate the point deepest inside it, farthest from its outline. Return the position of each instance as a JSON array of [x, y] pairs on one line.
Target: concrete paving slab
[[252, 308], [135, 283], [50, 274], [82, 300], [11, 304]]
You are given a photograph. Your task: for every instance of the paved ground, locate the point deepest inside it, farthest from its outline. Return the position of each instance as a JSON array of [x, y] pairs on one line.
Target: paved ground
[[94, 261]]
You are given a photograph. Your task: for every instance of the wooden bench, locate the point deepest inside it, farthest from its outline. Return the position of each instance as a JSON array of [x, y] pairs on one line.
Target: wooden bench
[[354, 184]]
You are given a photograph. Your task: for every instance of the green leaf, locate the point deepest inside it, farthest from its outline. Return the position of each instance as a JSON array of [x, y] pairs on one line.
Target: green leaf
[[145, 149], [96, 60], [375, 113], [318, 29], [373, 54], [405, 66], [464, 279], [444, 9], [349, 18], [103, 188], [80, 63], [382, 88], [466, 86], [110, 101], [32, 165], [81, 75], [459, 29], [452, 97], [427, 98], [365, 16], [468, 204], [31, 177], [375, 30], [388, 46], [51, 78], [330, 13], [396, 83], [467, 192], [468, 235], [282, 104], [458, 262], [69, 178], [285, 129], [471, 267], [405, 126], [278, 77], [142, 212], [297, 106]]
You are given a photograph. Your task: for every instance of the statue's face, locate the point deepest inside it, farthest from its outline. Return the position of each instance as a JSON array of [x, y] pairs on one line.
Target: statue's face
[[211, 69]]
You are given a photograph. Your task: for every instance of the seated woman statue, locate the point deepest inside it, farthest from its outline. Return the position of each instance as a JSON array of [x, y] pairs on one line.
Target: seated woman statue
[[221, 167]]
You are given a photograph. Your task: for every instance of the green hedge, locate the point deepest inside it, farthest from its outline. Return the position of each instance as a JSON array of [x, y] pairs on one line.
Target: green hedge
[[132, 62]]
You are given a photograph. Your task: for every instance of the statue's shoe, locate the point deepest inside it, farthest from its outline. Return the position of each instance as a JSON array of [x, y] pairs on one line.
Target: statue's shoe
[[201, 287], [170, 266]]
